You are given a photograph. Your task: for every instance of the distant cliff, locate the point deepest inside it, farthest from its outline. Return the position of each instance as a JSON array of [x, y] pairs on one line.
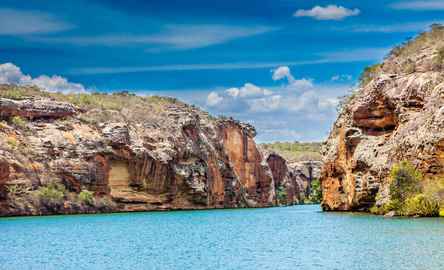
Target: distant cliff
[[390, 134], [87, 153], [302, 161]]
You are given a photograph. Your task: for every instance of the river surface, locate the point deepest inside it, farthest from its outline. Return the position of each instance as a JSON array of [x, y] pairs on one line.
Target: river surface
[[298, 237]]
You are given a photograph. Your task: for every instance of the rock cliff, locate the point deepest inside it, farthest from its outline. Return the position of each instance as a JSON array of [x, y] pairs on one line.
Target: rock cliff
[[84, 153], [397, 114], [293, 180]]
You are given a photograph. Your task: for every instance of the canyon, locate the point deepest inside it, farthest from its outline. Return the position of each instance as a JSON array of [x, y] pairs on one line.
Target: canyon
[[119, 152], [90, 153]]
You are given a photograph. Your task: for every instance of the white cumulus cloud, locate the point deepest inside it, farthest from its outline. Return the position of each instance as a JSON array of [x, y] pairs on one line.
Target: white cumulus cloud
[[214, 99], [281, 73], [248, 90], [57, 83], [266, 104], [301, 84], [326, 103], [234, 92], [284, 72], [297, 109], [12, 74], [330, 12], [296, 95]]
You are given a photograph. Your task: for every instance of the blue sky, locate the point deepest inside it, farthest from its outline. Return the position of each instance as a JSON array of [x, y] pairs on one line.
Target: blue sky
[[279, 64]]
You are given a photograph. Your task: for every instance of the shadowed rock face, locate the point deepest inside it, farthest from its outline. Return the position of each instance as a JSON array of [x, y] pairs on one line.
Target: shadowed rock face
[[399, 115], [254, 176], [176, 157], [293, 178], [375, 116], [4, 176]]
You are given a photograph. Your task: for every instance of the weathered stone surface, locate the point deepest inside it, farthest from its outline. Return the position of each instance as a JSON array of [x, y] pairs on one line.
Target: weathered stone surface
[[397, 116], [39, 108], [176, 158], [4, 176], [305, 172], [253, 175], [294, 178]]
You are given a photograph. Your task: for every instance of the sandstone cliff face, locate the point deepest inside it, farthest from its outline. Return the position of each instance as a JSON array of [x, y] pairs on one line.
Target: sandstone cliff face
[[397, 115], [292, 179], [152, 154]]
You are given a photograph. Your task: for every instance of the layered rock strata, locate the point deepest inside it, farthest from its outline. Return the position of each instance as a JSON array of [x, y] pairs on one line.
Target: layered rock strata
[[157, 155], [396, 115]]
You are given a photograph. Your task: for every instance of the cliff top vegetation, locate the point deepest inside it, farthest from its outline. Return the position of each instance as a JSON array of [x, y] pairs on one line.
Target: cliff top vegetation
[[94, 100], [403, 58], [295, 151], [102, 107]]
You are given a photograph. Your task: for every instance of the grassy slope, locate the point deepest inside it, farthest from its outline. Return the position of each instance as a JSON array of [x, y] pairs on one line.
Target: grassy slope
[[115, 101], [295, 151]]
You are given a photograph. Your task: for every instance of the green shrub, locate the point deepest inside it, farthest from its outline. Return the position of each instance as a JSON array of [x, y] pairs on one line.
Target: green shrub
[[12, 93], [405, 181], [86, 197], [18, 121], [12, 142], [434, 187], [369, 74], [410, 195], [281, 195], [52, 195], [315, 192], [420, 205], [82, 99], [3, 125], [376, 210]]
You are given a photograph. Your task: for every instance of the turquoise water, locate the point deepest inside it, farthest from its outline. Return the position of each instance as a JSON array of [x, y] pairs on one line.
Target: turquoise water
[[299, 237]]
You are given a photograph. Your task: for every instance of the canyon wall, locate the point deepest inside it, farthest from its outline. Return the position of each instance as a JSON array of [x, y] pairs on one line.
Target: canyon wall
[[152, 154], [396, 115]]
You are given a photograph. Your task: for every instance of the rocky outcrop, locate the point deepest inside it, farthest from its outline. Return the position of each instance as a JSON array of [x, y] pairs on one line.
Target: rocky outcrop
[[397, 115], [293, 179], [306, 172], [156, 154], [254, 176], [39, 108]]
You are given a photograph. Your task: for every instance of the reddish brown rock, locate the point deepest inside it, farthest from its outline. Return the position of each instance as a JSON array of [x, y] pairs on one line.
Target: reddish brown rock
[[395, 116], [293, 179], [4, 177], [254, 177], [130, 158]]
